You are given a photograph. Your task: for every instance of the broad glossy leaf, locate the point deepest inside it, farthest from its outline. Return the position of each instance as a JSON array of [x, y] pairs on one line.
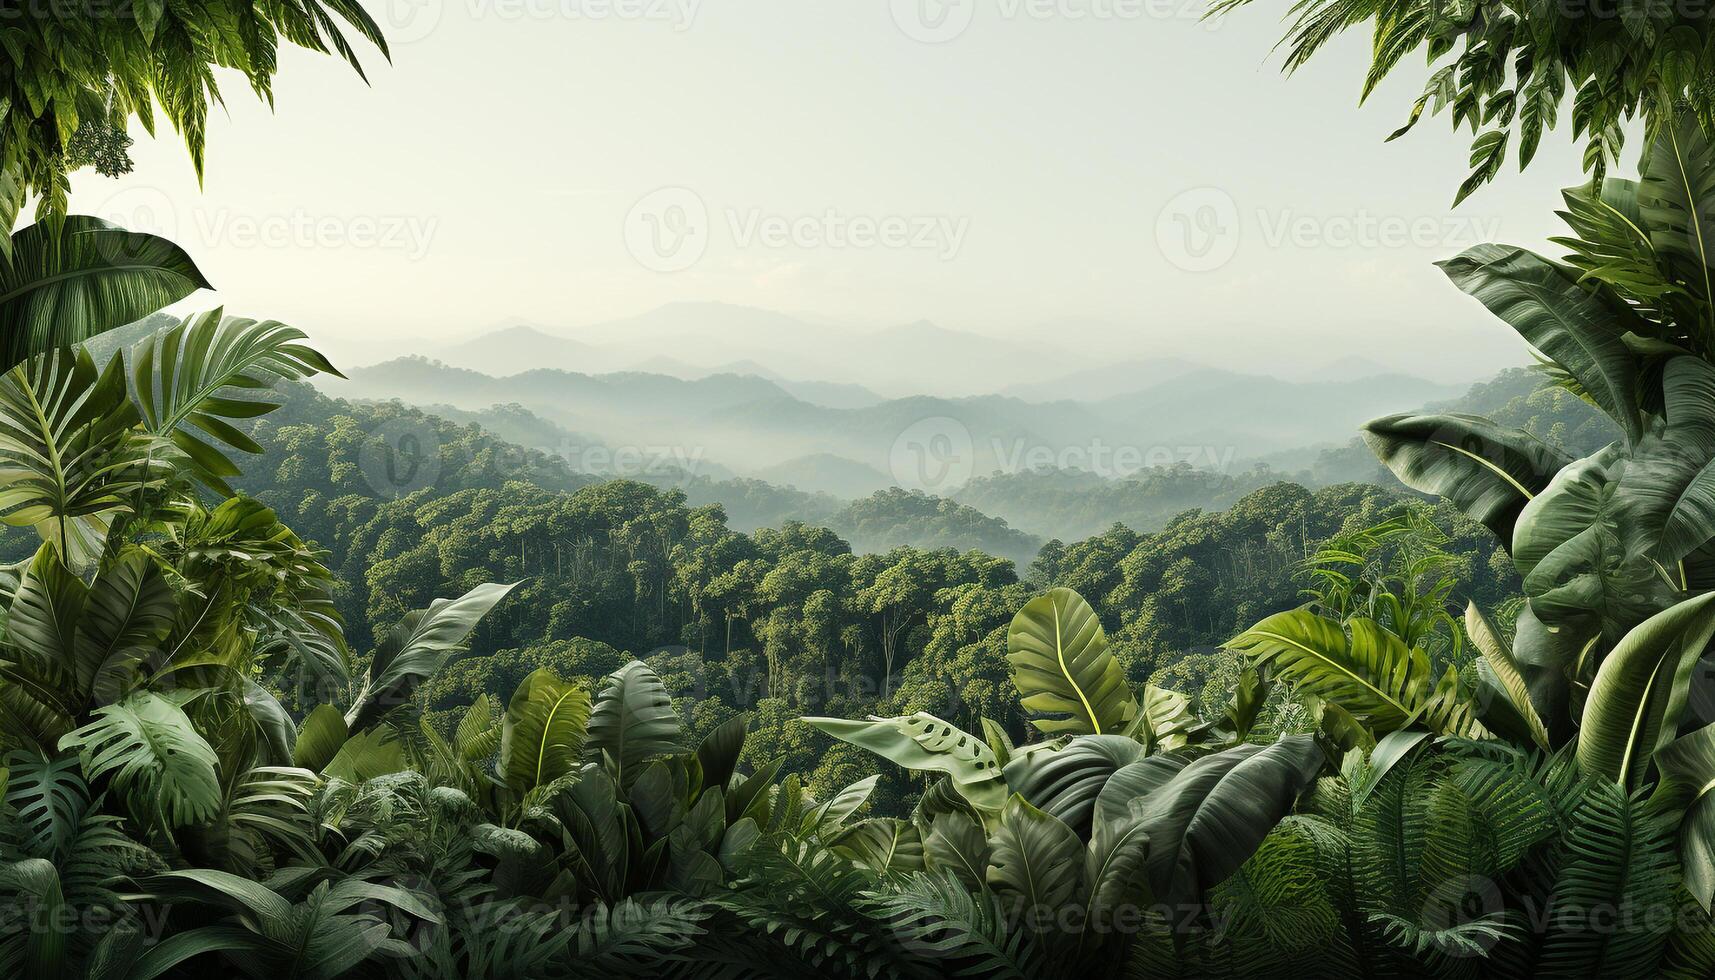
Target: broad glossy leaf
[[1580, 332], [1676, 201], [957, 844], [832, 815], [1641, 689], [633, 720], [1487, 471], [542, 735], [924, 743], [129, 612], [1069, 681], [1688, 762], [49, 797], [1134, 782], [63, 287], [1065, 783], [885, 845], [1508, 680], [717, 754], [1207, 820], [319, 738], [1035, 859], [416, 648]]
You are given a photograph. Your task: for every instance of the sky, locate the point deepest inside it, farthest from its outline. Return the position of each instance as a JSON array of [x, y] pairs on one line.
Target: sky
[[1110, 174]]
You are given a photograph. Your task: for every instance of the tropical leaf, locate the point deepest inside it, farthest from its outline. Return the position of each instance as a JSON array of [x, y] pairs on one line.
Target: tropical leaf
[[319, 738], [1036, 859], [1508, 686], [542, 734], [957, 845], [416, 648], [1487, 471], [831, 816], [50, 798], [1676, 202], [885, 845], [717, 754], [1574, 328], [1209, 818], [1640, 691], [1688, 762], [187, 375], [924, 743], [155, 755], [1065, 783], [70, 461], [1370, 673], [633, 720], [1061, 665], [67, 282], [1166, 718], [129, 611]]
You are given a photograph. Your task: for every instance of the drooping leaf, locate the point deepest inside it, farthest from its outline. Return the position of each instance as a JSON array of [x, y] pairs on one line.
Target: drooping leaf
[[1688, 762], [1487, 471], [924, 743], [1065, 783], [66, 284], [1068, 680], [416, 648], [1209, 818], [1509, 682]]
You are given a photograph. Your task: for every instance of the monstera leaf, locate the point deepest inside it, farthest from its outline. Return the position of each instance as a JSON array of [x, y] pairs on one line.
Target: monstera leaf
[[1641, 689], [156, 756], [1370, 673], [187, 374], [924, 743], [1069, 681], [70, 461], [1581, 332], [633, 721], [542, 735], [1065, 783], [416, 648], [62, 285], [1488, 471], [1208, 819]]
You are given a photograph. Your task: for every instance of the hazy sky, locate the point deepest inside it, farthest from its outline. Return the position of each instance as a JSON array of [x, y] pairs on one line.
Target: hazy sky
[[1105, 172]]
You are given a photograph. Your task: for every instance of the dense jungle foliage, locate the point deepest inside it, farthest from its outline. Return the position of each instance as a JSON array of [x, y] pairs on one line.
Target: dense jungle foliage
[[272, 703]]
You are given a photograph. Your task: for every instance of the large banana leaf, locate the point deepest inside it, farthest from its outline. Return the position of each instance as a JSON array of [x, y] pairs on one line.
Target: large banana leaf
[[63, 285], [1486, 470], [1061, 665], [187, 375], [633, 721], [924, 743], [1065, 783], [155, 755], [1115, 876], [1036, 859], [542, 735], [1580, 331], [1688, 763], [70, 461], [1207, 820], [416, 648], [1641, 689], [41, 628], [1370, 673]]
